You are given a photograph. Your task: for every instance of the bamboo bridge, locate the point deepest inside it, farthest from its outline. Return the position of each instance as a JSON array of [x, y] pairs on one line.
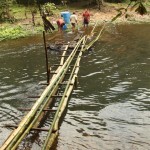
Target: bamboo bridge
[[53, 101]]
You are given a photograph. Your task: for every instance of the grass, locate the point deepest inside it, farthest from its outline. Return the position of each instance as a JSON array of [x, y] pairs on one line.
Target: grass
[[22, 26]]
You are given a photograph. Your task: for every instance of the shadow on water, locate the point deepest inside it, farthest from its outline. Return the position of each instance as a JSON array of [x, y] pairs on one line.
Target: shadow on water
[[110, 107]]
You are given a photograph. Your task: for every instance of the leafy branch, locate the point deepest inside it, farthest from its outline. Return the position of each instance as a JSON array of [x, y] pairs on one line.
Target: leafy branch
[[138, 6]]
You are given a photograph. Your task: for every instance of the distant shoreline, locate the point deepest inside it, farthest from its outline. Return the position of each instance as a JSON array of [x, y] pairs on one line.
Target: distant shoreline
[[23, 27]]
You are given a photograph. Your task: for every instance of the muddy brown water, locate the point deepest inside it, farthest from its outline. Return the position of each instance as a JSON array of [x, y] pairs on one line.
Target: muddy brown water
[[109, 110]]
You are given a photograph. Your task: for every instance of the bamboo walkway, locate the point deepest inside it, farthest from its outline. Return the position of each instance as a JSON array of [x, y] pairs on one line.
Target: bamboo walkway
[[53, 101]]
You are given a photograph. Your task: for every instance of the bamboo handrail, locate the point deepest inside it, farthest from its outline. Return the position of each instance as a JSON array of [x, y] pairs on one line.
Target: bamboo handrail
[[94, 27]]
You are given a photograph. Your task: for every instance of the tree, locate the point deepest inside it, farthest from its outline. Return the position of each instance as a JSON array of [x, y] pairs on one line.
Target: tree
[[32, 2], [5, 10], [99, 3]]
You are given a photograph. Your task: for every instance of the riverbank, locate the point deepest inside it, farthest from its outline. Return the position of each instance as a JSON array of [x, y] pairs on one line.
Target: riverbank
[[109, 11], [24, 27]]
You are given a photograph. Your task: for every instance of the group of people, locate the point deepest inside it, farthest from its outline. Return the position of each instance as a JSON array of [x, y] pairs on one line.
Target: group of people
[[74, 20]]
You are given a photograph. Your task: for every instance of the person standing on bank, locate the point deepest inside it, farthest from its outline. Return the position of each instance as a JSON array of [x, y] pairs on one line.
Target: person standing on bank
[[73, 20], [86, 18]]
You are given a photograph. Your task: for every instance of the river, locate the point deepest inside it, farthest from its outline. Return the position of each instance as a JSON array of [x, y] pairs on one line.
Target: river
[[110, 108]]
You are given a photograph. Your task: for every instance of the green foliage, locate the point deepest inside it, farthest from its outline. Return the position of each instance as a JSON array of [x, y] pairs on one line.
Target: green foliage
[[141, 9], [49, 8], [41, 2], [117, 16], [5, 9], [121, 11], [138, 6], [26, 2], [12, 32]]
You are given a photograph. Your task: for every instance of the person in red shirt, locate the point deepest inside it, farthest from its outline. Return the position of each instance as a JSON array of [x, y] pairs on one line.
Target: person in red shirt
[[86, 18], [60, 23]]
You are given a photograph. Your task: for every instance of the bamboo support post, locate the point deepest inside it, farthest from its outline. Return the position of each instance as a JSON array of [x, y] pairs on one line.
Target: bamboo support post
[[46, 57]]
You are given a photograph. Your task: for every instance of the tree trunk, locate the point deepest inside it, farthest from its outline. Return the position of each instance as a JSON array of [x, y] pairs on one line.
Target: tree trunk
[[33, 17], [99, 3]]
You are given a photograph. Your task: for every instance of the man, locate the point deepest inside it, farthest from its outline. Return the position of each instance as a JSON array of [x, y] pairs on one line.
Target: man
[[86, 18], [60, 23], [73, 20]]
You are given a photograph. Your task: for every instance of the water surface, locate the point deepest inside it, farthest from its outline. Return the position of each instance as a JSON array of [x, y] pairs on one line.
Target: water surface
[[109, 110]]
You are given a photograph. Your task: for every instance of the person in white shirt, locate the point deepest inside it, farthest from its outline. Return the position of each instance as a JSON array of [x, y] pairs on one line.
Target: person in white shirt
[[73, 20]]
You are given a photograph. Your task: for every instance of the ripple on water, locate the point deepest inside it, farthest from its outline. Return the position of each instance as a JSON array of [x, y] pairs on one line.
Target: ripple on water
[[121, 87], [124, 121], [92, 74], [141, 99], [81, 131], [8, 115]]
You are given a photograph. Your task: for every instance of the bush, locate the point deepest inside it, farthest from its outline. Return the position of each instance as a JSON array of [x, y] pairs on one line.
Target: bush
[[12, 32], [49, 9], [5, 10]]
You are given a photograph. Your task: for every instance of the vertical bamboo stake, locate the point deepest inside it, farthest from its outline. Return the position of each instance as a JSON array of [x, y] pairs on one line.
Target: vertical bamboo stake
[[46, 57], [76, 81]]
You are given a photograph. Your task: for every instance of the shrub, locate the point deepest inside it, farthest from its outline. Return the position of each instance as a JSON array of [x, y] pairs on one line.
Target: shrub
[[49, 9]]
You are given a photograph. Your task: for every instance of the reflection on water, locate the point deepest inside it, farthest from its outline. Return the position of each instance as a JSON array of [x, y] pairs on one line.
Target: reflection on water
[[110, 108]]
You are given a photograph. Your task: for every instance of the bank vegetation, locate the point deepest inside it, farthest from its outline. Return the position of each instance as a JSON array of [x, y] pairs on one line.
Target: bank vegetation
[[20, 18]]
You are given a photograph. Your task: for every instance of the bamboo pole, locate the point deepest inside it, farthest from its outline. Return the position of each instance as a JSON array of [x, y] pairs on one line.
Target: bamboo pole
[[68, 92], [94, 28], [92, 42], [52, 139], [56, 120], [29, 127], [46, 57], [61, 62], [73, 76], [64, 100]]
